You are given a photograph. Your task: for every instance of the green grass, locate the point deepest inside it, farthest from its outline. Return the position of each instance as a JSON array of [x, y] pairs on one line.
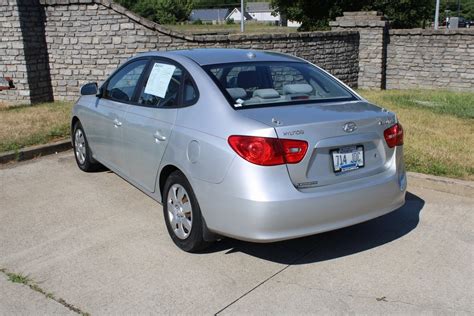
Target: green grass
[[459, 104], [439, 129], [18, 278], [26, 125]]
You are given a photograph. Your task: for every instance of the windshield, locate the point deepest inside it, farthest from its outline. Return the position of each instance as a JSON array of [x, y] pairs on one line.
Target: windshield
[[253, 84]]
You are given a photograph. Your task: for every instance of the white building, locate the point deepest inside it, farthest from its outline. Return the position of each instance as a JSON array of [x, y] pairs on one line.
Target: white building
[[236, 15], [260, 12]]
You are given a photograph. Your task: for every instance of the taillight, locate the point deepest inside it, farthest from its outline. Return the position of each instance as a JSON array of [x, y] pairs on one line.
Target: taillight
[[266, 151], [394, 135]]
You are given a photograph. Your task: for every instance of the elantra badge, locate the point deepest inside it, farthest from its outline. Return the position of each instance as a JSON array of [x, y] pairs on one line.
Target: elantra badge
[[349, 127]]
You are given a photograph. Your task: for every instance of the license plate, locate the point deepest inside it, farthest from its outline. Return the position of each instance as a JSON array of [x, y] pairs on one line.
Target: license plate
[[347, 158]]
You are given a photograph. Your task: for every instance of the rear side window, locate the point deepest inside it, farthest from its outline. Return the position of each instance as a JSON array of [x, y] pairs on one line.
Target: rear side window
[[190, 92], [280, 83], [121, 85]]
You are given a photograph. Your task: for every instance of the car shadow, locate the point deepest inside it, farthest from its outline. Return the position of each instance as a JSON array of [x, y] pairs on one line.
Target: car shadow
[[335, 244]]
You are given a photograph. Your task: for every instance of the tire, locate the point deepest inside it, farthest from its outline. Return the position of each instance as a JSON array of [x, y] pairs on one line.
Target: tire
[[182, 214], [82, 152]]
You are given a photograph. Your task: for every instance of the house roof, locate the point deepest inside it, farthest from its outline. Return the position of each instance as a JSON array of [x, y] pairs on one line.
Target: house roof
[[259, 7], [208, 14], [246, 14]]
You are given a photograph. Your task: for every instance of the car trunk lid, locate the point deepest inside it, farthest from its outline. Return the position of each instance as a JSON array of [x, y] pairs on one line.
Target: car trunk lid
[[328, 128]]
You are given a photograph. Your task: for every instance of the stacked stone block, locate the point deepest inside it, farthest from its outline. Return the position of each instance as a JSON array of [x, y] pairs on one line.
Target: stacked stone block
[[372, 29]]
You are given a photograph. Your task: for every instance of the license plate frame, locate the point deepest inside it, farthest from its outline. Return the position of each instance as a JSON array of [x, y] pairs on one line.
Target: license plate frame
[[347, 150]]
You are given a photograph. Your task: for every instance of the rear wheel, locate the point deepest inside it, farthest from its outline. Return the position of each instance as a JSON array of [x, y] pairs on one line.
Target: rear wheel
[[82, 152], [182, 214]]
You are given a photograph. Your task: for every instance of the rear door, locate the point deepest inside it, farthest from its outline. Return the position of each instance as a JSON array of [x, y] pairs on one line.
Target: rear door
[[149, 123]]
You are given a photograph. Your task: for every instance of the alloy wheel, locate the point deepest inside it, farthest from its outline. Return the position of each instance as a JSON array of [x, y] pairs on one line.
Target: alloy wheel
[[80, 146], [180, 213]]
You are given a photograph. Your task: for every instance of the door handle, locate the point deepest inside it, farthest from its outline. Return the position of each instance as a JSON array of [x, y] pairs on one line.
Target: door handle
[[117, 123], [158, 137]]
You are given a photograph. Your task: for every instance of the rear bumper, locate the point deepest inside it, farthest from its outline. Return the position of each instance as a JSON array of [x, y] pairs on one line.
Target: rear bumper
[[267, 208]]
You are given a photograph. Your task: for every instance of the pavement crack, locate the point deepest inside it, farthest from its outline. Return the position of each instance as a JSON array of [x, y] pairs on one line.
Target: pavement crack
[[263, 282], [27, 281]]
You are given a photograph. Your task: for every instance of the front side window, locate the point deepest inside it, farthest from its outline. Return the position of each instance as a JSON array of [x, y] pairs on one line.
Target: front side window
[[161, 88], [121, 85], [263, 83]]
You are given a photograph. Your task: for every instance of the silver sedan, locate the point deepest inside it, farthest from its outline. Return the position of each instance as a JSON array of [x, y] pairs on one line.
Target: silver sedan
[[254, 145]]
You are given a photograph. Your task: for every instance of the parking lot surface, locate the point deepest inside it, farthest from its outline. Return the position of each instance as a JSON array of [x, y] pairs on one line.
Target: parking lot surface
[[99, 244]]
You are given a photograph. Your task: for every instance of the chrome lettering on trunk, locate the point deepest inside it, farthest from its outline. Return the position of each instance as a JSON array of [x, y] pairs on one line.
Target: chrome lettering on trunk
[[295, 132]]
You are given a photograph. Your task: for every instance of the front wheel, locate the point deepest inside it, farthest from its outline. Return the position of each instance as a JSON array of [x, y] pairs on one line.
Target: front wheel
[[182, 214], [82, 152]]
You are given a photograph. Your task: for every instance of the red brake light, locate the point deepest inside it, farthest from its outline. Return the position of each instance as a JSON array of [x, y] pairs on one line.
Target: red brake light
[[266, 151], [394, 135]]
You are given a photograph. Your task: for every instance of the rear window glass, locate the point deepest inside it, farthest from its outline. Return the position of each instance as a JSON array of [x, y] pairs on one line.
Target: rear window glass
[[253, 84]]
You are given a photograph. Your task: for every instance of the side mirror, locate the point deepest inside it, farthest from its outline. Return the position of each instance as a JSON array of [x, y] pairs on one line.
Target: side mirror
[[89, 88]]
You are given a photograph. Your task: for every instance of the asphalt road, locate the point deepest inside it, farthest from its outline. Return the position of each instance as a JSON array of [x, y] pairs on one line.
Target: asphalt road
[[99, 244]]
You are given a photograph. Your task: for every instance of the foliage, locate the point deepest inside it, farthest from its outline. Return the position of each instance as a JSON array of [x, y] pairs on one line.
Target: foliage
[[316, 14], [205, 4], [197, 22], [229, 21], [160, 11], [466, 9], [405, 13]]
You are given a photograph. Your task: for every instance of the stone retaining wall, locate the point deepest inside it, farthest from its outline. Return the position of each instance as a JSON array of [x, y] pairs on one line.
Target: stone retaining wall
[[87, 39], [431, 59], [410, 59], [51, 47]]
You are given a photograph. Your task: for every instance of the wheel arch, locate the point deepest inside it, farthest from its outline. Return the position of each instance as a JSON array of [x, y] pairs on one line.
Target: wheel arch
[[74, 120], [164, 174]]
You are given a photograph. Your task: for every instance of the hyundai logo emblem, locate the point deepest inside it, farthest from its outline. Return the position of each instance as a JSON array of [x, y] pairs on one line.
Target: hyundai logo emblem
[[349, 127]]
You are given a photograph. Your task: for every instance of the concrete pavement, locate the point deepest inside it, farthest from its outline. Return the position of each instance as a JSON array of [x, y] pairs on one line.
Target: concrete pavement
[[101, 245]]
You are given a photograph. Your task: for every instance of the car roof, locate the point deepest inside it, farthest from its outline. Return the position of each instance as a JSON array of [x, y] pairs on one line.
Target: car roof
[[208, 56]]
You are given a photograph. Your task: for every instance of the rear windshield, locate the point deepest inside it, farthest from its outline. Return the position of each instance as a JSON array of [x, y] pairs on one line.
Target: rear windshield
[[254, 84]]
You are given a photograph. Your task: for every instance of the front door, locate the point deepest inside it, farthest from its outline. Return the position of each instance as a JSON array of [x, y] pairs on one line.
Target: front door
[[108, 121]]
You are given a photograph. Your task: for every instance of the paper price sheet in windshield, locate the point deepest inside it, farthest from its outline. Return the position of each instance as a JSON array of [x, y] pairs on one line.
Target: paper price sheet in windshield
[[159, 79]]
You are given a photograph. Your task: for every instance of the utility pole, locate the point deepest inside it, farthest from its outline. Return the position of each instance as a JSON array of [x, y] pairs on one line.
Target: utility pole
[[242, 21], [459, 8], [436, 23]]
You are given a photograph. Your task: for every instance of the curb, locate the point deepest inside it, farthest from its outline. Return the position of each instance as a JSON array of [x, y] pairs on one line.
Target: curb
[[35, 151], [448, 185]]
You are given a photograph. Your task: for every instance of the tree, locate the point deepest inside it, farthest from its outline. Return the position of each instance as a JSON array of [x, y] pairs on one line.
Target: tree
[[160, 11], [405, 13], [316, 14], [466, 6]]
